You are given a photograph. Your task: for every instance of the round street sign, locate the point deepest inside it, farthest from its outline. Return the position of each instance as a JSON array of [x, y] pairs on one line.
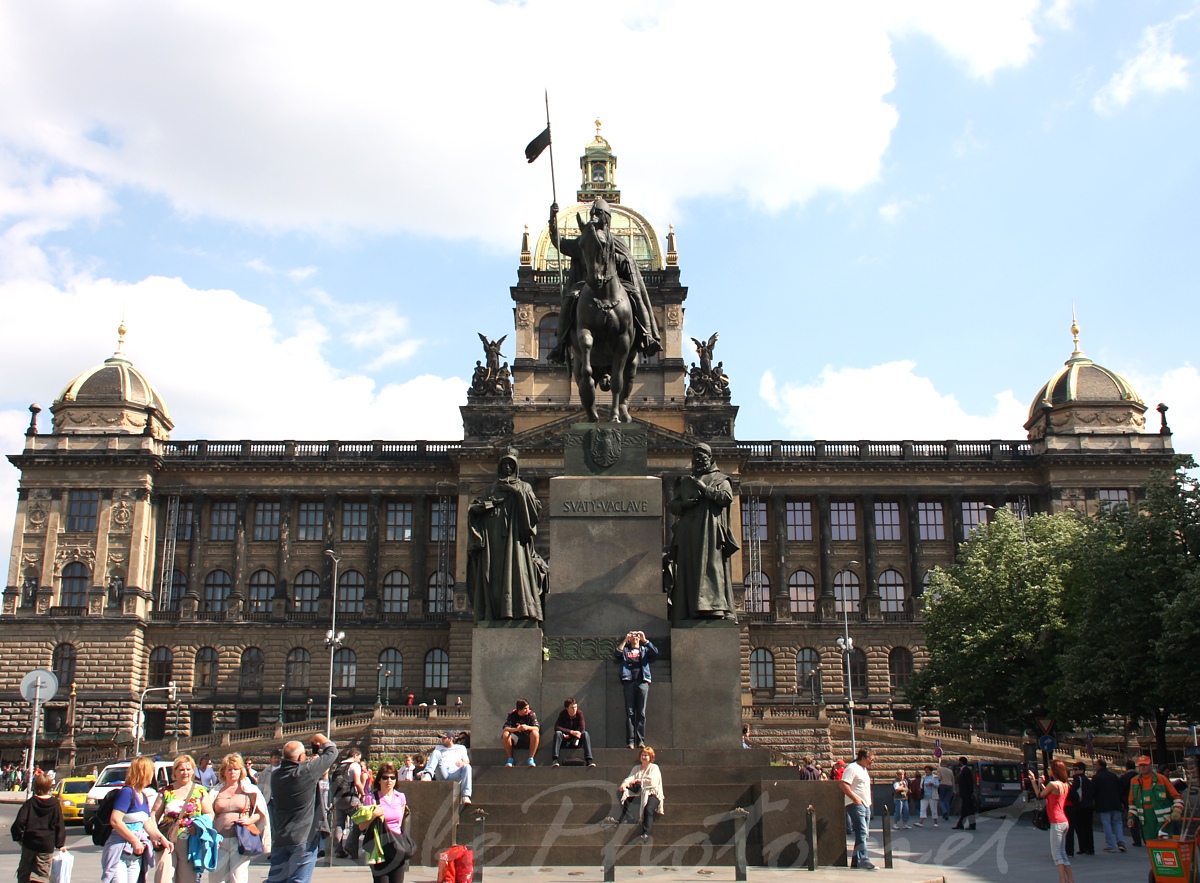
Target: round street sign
[[1047, 743], [39, 684], [937, 752]]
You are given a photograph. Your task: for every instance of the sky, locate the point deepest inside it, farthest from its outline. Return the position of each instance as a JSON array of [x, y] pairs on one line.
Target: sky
[[888, 210]]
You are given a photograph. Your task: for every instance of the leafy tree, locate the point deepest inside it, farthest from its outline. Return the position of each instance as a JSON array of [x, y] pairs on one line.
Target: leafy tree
[[1133, 611], [994, 621]]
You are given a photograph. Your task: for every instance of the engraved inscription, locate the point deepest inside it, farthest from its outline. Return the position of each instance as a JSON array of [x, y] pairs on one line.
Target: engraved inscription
[[605, 507]]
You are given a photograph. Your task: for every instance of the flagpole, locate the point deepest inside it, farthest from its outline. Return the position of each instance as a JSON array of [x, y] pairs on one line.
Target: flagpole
[[561, 276], [553, 186]]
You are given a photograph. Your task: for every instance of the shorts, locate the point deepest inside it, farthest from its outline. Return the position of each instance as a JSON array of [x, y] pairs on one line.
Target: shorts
[[520, 740]]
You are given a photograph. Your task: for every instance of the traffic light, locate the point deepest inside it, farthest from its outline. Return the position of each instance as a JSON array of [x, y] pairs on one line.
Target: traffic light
[[172, 691]]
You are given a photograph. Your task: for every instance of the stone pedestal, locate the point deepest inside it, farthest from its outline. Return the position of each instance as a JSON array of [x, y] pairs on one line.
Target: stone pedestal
[[506, 665], [706, 686]]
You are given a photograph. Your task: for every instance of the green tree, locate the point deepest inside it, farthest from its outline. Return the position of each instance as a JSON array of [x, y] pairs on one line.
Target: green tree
[[1133, 610], [994, 620]]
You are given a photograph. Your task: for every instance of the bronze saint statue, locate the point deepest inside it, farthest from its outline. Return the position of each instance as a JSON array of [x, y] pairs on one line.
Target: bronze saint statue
[[700, 582], [505, 575]]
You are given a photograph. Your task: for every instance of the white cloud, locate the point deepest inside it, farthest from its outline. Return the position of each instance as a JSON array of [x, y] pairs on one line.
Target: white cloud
[[1155, 69], [885, 402], [300, 115], [218, 361], [1179, 389], [891, 211]]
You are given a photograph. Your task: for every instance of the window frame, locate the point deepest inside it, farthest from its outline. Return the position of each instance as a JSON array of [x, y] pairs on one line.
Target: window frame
[[222, 521], [762, 669], [843, 521], [355, 516], [310, 521], [931, 520], [399, 520], [437, 669], [83, 508], [887, 521], [392, 605], [798, 514], [267, 516], [796, 604]]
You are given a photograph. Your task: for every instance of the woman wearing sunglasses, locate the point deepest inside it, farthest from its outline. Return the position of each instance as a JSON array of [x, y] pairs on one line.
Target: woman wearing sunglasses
[[389, 809]]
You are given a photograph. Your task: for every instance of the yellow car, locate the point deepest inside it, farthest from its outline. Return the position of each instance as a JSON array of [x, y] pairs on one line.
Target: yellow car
[[72, 792]]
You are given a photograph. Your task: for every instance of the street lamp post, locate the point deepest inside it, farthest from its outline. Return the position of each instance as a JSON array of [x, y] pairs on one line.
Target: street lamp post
[[308, 709], [387, 688], [379, 685], [846, 645], [333, 640], [282, 687]]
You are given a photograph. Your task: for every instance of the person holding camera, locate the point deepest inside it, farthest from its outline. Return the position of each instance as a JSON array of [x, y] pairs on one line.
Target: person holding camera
[[298, 819], [635, 653], [643, 785]]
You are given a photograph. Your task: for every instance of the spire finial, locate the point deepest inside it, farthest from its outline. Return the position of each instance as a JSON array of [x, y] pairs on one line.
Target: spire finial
[[1075, 334], [597, 127], [121, 335]]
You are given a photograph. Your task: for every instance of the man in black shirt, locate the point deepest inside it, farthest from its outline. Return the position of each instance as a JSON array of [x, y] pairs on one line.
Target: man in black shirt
[[521, 730], [570, 731], [966, 795]]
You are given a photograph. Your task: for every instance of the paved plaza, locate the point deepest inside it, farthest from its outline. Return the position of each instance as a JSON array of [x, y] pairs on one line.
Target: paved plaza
[[1003, 848]]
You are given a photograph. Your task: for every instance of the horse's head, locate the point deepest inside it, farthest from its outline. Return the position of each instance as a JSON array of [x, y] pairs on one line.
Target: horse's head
[[598, 258]]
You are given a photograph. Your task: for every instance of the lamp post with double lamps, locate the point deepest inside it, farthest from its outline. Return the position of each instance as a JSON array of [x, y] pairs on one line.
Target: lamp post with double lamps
[[282, 687], [846, 645], [333, 640]]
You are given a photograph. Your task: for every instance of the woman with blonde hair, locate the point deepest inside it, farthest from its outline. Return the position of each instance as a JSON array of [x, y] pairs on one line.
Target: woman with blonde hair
[[127, 852], [1054, 793], [173, 812], [237, 802], [644, 782]]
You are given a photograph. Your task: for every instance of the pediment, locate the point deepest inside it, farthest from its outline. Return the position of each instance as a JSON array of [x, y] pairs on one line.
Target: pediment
[[552, 436]]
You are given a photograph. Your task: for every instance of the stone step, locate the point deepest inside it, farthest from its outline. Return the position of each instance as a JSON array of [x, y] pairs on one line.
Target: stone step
[[548, 776], [482, 758], [587, 806]]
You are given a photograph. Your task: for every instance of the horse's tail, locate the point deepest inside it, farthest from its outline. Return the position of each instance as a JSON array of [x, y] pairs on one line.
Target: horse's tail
[[569, 352]]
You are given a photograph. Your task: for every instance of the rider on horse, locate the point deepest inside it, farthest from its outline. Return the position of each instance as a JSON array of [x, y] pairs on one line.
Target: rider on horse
[[647, 341]]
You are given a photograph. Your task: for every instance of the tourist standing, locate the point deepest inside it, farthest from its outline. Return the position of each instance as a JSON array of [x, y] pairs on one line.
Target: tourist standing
[[900, 800], [635, 653], [299, 817], [929, 796], [856, 786], [390, 807], [126, 853], [945, 788], [348, 790], [1107, 797], [173, 812], [40, 829], [1054, 793], [238, 802], [1083, 798], [1127, 777], [966, 795]]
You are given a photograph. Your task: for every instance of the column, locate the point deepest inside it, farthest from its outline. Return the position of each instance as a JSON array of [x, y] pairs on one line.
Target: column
[[280, 602], [420, 551], [870, 601], [780, 605], [914, 550], [826, 607], [371, 593]]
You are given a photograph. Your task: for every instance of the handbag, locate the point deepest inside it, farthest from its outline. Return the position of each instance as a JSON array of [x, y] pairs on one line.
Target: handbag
[[1041, 819], [250, 841]]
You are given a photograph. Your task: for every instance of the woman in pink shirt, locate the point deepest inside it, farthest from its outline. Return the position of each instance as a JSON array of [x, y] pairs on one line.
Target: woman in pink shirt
[[1054, 793], [390, 807]]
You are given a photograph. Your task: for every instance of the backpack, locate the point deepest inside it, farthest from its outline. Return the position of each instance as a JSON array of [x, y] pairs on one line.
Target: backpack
[[102, 826], [343, 789]]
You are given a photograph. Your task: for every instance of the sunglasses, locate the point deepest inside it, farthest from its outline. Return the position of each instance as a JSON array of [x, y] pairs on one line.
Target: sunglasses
[[387, 778]]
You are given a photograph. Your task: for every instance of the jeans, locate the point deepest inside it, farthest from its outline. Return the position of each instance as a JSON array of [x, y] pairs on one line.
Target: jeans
[[1110, 820], [584, 741], [1058, 843], [900, 812], [294, 864], [635, 710], [462, 774], [860, 818], [945, 798]]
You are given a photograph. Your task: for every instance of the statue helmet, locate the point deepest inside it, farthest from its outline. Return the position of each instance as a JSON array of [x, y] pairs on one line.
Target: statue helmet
[[599, 205], [510, 453]]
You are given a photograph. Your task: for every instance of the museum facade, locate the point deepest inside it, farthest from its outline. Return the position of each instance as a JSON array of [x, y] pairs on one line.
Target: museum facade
[[259, 575]]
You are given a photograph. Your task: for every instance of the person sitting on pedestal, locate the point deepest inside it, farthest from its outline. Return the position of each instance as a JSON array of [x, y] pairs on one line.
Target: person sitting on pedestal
[[570, 731], [521, 730], [450, 762]]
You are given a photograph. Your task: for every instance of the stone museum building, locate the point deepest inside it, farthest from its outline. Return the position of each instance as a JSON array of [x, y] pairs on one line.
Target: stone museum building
[[140, 559]]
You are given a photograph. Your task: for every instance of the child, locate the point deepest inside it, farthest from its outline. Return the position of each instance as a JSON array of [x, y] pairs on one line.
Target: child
[[40, 829]]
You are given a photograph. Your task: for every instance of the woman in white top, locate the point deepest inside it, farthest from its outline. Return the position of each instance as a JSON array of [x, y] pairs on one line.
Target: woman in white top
[[929, 796], [238, 802], [644, 783]]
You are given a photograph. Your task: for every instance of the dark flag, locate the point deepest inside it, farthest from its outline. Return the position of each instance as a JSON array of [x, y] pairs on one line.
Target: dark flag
[[535, 147]]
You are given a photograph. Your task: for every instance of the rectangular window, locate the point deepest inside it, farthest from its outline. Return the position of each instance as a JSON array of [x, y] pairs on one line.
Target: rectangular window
[[448, 518], [266, 521], [311, 525], [224, 516], [1113, 496], [754, 519], [887, 521], [399, 522], [842, 517], [183, 526], [799, 521], [354, 521], [931, 521], [81, 510], [973, 515]]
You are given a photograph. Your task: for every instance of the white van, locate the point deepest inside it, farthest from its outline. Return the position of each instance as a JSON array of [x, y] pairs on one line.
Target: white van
[[113, 776]]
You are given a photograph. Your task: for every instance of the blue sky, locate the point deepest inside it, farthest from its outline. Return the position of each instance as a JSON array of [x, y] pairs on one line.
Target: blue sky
[[887, 210]]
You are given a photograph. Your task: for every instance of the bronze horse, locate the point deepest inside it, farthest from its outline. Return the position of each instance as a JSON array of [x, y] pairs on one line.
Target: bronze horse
[[602, 337]]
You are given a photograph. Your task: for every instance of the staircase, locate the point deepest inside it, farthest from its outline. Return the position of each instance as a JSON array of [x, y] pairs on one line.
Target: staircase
[[555, 815]]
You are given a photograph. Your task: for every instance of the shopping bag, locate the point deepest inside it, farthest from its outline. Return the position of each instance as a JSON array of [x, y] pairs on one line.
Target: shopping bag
[[61, 866], [449, 864]]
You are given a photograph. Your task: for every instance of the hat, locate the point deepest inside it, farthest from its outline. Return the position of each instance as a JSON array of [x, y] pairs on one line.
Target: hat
[[840, 762], [1145, 758], [450, 734]]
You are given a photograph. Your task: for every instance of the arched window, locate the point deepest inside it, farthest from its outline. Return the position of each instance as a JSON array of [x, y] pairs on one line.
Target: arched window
[[351, 588], [206, 669], [927, 593], [345, 669], [63, 664], [250, 675], [262, 587], [547, 336], [808, 673], [391, 671], [900, 667], [437, 669], [75, 579], [762, 669], [858, 671], [802, 592], [162, 667], [441, 590], [178, 588], [758, 592], [306, 589], [845, 591], [298, 667], [217, 586], [395, 592], [891, 592]]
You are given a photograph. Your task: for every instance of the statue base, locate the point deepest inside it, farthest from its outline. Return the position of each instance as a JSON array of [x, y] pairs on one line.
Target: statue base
[[506, 665], [706, 690]]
